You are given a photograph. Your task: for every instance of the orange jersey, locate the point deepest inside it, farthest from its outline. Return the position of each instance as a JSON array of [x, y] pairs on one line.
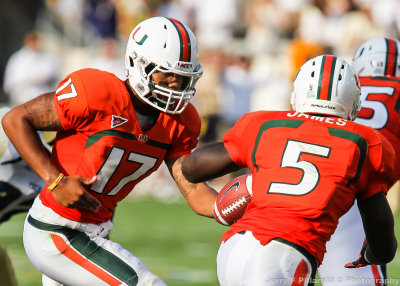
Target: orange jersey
[[307, 172], [102, 137], [380, 101]]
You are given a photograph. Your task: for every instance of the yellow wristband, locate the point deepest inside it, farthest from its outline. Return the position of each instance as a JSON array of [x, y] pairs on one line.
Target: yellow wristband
[[56, 182]]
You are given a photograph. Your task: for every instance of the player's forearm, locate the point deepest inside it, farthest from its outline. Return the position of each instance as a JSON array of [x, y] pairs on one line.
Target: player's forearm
[[382, 243], [384, 256], [28, 144], [207, 162], [200, 197], [379, 229]]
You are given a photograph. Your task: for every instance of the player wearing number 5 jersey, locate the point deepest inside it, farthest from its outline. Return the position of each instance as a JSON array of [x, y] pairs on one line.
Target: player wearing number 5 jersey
[[111, 134], [377, 63], [308, 167], [380, 99]]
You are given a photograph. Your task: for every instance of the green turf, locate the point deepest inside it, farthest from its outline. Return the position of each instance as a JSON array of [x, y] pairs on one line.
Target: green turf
[[176, 244], [171, 240]]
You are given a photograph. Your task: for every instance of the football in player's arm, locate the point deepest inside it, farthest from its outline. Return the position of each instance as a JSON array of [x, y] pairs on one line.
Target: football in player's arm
[[308, 166], [111, 134]]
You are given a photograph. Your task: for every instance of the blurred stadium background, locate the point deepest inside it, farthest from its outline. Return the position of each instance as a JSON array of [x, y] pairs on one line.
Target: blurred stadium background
[[250, 50]]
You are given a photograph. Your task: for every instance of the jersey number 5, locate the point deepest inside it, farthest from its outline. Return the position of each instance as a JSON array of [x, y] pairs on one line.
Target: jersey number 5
[[311, 175], [380, 113]]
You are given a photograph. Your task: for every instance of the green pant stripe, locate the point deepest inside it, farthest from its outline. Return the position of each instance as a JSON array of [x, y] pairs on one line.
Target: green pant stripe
[[92, 251]]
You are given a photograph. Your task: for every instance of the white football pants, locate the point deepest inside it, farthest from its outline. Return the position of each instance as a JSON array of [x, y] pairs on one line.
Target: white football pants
[[344, 246], [243, 261], [72, 253]]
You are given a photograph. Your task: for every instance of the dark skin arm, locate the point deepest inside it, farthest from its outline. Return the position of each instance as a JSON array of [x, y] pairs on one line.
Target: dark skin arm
[[212, 160], [207, 162], [21, 125], [378, 224]]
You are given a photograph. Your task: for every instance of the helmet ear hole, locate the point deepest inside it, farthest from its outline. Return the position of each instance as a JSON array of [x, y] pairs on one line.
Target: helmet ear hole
[[149, 68], [312, 74], [186, 82], [131, 62]]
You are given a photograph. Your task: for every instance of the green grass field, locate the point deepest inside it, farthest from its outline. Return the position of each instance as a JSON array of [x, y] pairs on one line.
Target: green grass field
[[171, 240], [176, 244]]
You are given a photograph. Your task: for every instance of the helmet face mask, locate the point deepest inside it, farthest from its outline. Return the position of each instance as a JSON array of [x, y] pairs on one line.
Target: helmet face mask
[[378, 57], [327, 85], [165, 45]]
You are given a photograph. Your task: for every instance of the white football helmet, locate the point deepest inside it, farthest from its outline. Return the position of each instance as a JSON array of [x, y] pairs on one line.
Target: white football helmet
[[327, 85], [166, 45], [378, 57]]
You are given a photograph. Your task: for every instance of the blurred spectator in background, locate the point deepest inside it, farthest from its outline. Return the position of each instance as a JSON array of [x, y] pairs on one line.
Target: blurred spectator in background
[[102, 15], [386, 14], [63, 20], [16, 18], [110, 59], [275, 94], [270, 24], [238, 84], [130, 13], [30, 71], [182, 10], [215, 22], [208, 91], [342, 24]]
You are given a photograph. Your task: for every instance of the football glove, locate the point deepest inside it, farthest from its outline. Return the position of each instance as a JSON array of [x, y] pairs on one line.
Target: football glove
[[361, 261]]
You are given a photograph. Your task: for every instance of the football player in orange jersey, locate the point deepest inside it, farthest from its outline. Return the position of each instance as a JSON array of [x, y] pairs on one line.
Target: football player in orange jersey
[[308, 167], [377, 63], [111, 134]]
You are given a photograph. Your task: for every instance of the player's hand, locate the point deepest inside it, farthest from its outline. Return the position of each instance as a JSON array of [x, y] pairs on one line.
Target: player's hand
[[361, 261], [71, 194]]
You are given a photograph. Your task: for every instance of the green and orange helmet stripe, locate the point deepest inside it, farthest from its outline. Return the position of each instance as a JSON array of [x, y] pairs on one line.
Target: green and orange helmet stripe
[[184, 38], [326, 77], [391, 57]]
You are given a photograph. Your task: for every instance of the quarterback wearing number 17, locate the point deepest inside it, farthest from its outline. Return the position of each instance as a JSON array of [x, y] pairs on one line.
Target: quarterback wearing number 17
[[111, 134], [308, 166]]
